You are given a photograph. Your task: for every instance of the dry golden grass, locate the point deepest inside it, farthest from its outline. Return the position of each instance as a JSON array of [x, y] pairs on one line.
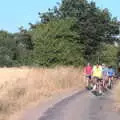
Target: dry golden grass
[[116, 95], [20, 87]]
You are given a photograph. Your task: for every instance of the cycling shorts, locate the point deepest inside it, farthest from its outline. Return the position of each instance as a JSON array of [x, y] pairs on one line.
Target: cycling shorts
[[88, 76], [98, 79], [110, 76]]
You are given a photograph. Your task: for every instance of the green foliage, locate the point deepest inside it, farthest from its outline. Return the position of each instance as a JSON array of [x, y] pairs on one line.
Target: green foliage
[[15, 49], [24, 47], [109, 54], [7, 47], [94, 25], [72, 33], [56, 43]]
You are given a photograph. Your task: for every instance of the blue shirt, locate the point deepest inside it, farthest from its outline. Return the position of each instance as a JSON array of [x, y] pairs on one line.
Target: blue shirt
[[105, 71], [111, 72]]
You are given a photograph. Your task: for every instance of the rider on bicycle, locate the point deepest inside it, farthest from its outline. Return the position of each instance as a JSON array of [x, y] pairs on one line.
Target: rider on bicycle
[[88, 73], [104, 75], [111, 74], [97, 76]]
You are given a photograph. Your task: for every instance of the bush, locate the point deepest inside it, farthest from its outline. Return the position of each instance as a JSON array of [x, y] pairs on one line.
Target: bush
[[56, 43], [109, 54]]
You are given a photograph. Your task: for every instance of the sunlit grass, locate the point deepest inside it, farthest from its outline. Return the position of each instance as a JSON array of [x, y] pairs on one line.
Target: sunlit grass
[[21, 86], [116, 94]]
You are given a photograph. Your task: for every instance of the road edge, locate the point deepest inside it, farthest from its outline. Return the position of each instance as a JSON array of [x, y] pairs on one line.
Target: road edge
[[39, 111]]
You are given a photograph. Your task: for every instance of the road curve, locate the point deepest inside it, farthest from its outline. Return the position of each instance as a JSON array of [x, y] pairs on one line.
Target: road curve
[[81, 106]]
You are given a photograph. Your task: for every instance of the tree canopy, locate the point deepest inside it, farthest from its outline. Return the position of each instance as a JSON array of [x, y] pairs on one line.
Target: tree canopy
[[71, 33]]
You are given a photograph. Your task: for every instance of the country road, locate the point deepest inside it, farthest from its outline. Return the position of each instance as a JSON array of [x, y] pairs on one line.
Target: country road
[[81, 106]]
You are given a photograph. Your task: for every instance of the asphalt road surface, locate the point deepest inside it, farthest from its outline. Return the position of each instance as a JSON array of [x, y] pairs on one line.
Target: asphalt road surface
[[79, 106], [83, 106]]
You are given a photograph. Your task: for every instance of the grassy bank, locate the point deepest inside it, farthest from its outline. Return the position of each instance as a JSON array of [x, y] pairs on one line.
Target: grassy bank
[[116, 94], [19, 87]]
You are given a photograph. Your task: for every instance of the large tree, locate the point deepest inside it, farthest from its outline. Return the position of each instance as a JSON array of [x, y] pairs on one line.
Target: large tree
[[56, 43], [7, 49], [94, 25]]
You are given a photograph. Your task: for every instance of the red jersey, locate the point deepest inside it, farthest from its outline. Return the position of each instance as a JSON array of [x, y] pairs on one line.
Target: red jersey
[[88, 70]]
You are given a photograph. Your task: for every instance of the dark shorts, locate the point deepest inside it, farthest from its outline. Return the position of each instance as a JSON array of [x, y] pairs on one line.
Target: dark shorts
[[110, 76], [98, 79], [88, 76]]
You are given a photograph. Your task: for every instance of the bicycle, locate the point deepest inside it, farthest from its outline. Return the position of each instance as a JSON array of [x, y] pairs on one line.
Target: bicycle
[[110, 82], [89, 82], [97, 87]]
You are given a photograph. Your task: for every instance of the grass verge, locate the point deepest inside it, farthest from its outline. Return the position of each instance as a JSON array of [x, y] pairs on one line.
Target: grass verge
[[116, 95], [19, 87]]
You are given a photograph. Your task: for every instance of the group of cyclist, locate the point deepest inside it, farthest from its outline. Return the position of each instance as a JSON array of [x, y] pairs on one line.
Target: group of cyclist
[[99, 77]]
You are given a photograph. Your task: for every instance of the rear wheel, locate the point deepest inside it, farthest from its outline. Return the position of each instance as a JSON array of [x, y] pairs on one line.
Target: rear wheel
[[110, 84], [90, 86], [97, 89]]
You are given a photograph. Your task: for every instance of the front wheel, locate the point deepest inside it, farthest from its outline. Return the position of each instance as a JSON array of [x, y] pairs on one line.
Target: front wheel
[[110, 84], [90, 86]]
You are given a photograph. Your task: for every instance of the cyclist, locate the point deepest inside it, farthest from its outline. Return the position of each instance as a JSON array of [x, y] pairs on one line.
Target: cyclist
[[88, 73], [111, 74], [97, 76], [104, 75]]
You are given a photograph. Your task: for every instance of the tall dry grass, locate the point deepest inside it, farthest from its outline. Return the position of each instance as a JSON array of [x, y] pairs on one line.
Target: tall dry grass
[[116, 95], [21, 86]]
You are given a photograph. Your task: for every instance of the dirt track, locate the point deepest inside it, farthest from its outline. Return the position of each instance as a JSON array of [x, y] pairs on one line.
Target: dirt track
[[80, 106]]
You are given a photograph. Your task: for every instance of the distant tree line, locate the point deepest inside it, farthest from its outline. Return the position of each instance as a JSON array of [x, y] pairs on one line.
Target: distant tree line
[[74, 32]]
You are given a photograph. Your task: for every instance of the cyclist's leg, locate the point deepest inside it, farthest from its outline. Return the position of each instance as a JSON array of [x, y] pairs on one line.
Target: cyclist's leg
[[115, 79], [98, 90], [91, 81], [103, 81], [86, 80], [100, 86], [106, 82], [103, 84], [94, 83], [110, 82]]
